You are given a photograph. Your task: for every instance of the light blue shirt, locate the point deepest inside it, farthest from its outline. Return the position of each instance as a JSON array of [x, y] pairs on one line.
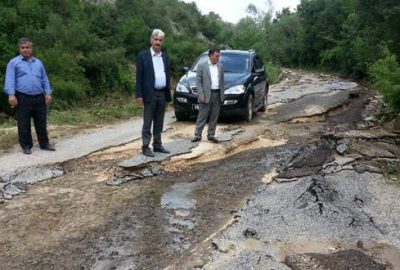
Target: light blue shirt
[[159, 70], [27, 77]]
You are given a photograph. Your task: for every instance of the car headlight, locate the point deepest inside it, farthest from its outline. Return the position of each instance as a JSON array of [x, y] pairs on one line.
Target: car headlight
[[182, 88], [238, 89]]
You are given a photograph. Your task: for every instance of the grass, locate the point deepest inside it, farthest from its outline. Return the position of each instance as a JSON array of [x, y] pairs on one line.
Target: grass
[[7, 123], [95, 114], [8, 138], [273, 73]]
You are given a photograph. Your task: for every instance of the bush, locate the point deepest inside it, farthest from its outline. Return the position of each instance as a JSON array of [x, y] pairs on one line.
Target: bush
[[385, 74], [4, 107], [125, 79], [67, 92], [273, 73]]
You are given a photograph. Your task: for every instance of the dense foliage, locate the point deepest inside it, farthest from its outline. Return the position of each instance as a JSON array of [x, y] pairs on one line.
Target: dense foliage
[[358, 38], [89, 49]]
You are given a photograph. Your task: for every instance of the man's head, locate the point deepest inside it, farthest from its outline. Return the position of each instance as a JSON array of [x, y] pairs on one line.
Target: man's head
[[157, 39], [214, 55], [25, 47]]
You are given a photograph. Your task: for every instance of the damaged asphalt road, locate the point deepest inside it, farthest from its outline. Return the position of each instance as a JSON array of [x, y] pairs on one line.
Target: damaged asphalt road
[[313, 183]]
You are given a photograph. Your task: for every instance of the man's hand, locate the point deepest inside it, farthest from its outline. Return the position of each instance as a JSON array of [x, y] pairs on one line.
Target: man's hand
[[201, 100], [12, 100], [48, 99], [139, 101]]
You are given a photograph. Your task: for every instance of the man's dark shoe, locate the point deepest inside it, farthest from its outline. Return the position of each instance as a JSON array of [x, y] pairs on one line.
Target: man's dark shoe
[[160, 149], [27, 151], [48, 147], [147, 152], [213, 139], [196, 139]]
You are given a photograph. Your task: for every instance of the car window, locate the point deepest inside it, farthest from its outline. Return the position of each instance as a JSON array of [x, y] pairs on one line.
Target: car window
[[201, 59], [232, 62], [235, 63]]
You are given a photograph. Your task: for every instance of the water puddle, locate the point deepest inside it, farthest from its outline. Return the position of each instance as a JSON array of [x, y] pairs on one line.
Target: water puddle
[[178, 205], [179, 197]]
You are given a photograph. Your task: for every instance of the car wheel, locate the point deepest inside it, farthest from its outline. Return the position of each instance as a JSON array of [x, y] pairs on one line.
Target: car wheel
[[249, 108], [180, 116]]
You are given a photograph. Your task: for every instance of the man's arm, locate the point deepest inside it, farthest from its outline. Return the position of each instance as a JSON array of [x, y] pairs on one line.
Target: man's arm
[[139, 80], [167, 69], [222, 78], [199, 84], [46, 85], [9, 84], [168, 76]]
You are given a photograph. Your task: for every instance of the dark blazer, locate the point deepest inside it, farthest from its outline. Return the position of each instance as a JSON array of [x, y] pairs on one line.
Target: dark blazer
[[145, 76]]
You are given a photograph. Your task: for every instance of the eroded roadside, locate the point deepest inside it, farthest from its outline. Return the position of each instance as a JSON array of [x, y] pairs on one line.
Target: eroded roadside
[[198, 203], [332, 205]]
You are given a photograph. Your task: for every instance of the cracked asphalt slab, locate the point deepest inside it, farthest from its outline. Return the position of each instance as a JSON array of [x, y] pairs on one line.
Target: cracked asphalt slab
[[321, 210], [277, 193], [17, 169], [325, 211]]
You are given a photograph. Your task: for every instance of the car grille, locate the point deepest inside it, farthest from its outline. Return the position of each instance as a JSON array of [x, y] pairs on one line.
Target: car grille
[[193, 89]]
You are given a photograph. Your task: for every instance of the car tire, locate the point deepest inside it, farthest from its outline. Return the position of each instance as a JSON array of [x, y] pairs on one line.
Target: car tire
[[264, 104], [180, 116], [248, 114]]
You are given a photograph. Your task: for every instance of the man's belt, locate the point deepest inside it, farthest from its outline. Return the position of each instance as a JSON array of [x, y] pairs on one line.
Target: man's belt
[[28, 95], [214, 90]]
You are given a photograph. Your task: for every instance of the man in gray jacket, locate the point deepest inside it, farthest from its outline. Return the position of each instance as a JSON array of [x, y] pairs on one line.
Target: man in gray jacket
[[210, 90]]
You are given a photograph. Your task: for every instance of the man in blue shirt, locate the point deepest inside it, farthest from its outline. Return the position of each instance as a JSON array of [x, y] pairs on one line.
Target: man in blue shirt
[[28, 90]]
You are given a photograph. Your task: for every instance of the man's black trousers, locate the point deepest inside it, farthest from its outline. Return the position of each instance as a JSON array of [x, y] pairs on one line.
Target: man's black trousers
[[154, 114], [31, 107]]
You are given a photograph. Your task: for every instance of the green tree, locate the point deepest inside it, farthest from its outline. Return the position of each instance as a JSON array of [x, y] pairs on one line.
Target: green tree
[[385, 74]]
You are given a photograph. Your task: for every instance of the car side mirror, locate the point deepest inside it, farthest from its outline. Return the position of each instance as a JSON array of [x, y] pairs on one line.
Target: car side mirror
[[185, 69], [258, 71]]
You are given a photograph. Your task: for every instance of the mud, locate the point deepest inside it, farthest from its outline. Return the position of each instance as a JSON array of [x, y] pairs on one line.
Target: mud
[[349, 259], [141, 226], [274, 194]]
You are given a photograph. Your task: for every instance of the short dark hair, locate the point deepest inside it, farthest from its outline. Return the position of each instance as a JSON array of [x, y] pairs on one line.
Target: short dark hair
[[213, 50], [24, 40]]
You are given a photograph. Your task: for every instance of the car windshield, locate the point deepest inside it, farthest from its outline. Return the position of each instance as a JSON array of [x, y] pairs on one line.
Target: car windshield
[[232, 62]]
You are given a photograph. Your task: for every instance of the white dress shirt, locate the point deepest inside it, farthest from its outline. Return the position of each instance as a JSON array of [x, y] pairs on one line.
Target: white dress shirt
[[159, 70], [214, 75]]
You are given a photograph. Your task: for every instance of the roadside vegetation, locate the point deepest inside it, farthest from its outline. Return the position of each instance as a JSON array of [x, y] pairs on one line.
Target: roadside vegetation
[[89, 47]]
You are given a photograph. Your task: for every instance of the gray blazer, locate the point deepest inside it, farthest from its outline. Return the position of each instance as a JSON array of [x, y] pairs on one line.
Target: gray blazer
[[203, 81]]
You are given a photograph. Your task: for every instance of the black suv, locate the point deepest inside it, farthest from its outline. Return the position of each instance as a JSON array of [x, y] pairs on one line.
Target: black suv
[[246, 86]]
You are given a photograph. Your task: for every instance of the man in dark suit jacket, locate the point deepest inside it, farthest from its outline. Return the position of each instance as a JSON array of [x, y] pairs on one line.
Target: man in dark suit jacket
[[153, 90]]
